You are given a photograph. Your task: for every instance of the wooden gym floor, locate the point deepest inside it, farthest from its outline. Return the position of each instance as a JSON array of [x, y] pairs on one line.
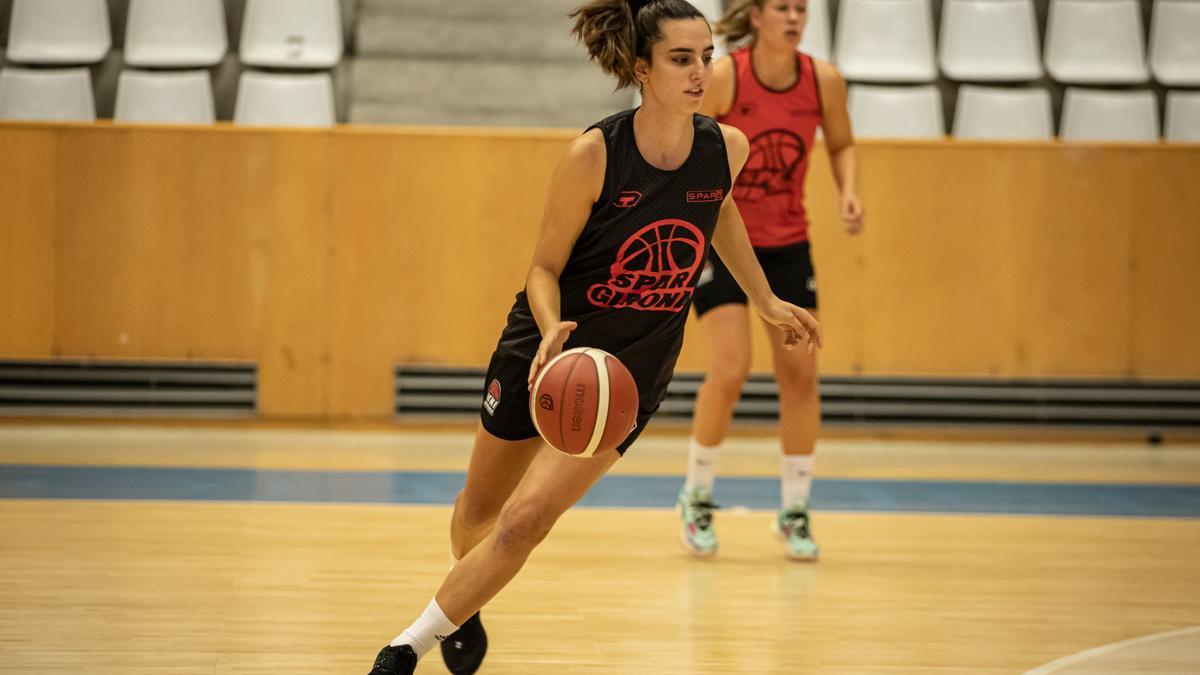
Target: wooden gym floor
[[175, 549]]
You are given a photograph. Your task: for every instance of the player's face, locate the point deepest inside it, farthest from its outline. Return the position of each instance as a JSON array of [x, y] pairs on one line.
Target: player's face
[[780, 22], [680, 65]]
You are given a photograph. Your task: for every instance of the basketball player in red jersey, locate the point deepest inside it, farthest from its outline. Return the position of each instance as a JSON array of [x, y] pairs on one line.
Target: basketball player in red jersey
[[632, 210], [778, 97]]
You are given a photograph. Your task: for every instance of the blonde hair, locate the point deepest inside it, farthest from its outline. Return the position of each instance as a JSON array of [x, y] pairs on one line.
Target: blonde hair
[[618, 32], [735, 25]]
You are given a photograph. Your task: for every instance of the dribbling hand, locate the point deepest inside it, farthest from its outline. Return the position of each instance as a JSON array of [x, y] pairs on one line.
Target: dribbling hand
[[552, 345], [798, 326]]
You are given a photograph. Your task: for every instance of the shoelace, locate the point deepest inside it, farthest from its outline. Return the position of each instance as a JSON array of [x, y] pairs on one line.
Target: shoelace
[[797, 522], [703, 513], [388, 659]]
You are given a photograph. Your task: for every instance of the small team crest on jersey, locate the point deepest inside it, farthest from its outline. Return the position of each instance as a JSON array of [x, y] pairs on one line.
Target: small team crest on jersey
[[627, 199], [705, 195], [811, 284], [493, 397]]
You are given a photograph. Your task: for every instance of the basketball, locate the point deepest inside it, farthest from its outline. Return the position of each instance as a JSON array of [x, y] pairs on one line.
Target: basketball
[[584, 402]]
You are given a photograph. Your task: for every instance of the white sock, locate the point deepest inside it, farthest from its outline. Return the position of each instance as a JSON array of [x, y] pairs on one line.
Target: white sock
[[702, 466], [796, 474], [431, 628]]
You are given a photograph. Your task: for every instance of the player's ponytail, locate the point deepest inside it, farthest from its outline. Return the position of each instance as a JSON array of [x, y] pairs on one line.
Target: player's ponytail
[[618, 32], [735, 26]]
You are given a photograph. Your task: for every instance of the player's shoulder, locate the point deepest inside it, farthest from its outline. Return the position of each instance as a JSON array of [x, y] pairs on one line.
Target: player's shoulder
[[735, 139], [737, 148], [724, 65], [586, 150], [827, 72]]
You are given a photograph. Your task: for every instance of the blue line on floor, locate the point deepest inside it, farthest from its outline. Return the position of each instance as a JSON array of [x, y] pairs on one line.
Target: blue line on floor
[[194, 484]]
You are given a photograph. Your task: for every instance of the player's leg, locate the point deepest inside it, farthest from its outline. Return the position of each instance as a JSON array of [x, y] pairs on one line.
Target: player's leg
[[505, 445], [791, 276], [552, 484], [726, 329], [495, 469]]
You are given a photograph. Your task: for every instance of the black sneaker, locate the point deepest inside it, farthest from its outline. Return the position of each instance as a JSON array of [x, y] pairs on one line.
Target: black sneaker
[[398, 660], [463, 651]]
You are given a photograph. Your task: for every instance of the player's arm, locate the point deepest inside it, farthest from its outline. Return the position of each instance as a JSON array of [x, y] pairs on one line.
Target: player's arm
[[733, 245], [839, 142], [719, 97], [574, 187]]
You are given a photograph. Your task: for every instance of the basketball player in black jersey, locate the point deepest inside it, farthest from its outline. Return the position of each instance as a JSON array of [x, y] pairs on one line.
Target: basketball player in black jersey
[[632, 210]]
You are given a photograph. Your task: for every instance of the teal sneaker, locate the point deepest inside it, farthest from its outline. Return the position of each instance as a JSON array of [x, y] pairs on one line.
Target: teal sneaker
[[696, 532], [792, 526]]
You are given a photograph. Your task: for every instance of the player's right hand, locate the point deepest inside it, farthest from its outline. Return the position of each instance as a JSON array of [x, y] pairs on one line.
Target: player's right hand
[[552, 345]]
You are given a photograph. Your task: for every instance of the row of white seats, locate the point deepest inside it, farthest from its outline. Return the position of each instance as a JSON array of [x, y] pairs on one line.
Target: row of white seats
[[1087, 41], [173, 97], [177, 33], [994, 113]]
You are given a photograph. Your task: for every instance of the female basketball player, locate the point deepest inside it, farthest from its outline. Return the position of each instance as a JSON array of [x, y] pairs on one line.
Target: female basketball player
[[777, 97], [632, 208]]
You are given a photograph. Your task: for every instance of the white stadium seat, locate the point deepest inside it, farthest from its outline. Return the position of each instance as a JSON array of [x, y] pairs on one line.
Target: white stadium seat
[[60, 94], [996, 113], [292, 33], [1175, 42], [58, 31], [886, 41], [881, 111], [274, 99], [166, 97], [1183, 117], [1096, 42], [175, 33], [1109, 115], [990, 41]]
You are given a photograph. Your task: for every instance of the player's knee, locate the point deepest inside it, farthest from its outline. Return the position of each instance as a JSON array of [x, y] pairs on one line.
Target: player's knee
[[522, 526], [799, 382], [728, 373], [475, 512]]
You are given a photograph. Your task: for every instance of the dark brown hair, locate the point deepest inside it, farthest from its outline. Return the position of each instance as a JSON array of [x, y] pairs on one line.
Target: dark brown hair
[[618, 32]]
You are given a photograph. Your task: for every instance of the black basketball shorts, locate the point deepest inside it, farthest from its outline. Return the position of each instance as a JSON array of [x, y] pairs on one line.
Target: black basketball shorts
[[789, 270], [505, 408]]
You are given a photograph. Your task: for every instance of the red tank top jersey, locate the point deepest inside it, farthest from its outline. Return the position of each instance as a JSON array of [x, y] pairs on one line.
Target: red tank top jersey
[[780, 125]]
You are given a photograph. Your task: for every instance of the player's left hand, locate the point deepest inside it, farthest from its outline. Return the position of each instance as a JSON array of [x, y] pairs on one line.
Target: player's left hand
[[852, 213], [798, 326]]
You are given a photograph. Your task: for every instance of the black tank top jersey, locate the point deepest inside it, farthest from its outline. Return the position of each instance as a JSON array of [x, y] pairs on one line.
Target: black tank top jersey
[[630, 276]]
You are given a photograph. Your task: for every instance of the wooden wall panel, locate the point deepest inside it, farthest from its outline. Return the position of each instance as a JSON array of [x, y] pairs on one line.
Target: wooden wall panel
[[156, 253], [1070, 261], [28, 163], [934, 301], [433, 238], [1165, 269], [293, 212], [329, 256]]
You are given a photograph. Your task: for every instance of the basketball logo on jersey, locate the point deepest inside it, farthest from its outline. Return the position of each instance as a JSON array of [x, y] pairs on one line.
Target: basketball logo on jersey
[[774, 156], [627, 199], [653, 269], [493, 397]]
